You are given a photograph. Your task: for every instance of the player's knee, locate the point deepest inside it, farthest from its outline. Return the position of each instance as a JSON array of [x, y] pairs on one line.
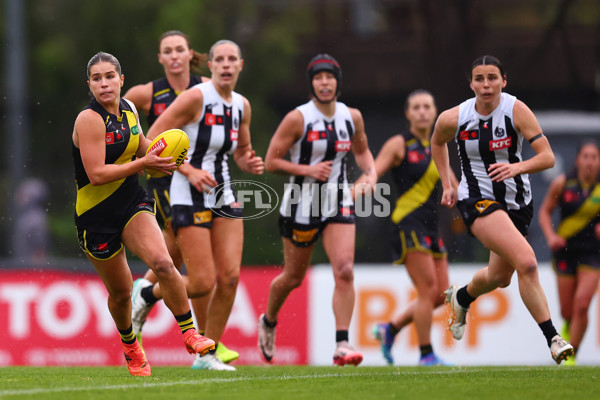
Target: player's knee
[[528, 268], [433, 295], [294, 281], [228, 280], [162, 265], [344, 272], [581, 305], [200, 288], [566, 312], [504, 281], [121, 298]]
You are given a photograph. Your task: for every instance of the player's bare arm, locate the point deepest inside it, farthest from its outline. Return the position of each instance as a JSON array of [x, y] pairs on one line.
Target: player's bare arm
[[444, 131], [288, 132], [141, 96], [243, 155]]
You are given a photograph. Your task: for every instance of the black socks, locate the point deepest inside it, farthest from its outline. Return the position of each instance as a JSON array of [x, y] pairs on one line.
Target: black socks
[[548, 330], [464, 298]]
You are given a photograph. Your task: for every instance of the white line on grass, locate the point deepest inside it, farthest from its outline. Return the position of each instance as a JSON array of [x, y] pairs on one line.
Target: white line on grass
[[143, 385]]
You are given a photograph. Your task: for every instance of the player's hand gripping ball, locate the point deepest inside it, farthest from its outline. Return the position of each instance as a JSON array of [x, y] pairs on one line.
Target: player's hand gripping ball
[[174, 143]]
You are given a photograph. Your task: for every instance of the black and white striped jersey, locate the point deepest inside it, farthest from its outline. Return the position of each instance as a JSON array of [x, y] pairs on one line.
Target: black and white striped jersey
[[485, 140], [212, 138], [324, 139]]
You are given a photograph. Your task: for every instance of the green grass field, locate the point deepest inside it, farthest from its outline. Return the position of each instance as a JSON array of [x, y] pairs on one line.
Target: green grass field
[[300, 382]]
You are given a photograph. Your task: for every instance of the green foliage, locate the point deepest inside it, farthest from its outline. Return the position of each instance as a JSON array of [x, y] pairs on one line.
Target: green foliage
[[63, 35]]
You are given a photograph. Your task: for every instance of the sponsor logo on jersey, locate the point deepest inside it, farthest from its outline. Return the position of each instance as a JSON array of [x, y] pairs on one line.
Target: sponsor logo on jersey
[[303, 236], [135, 130], [114, 137], [233, 135], [213, 119], [500, 144], [485, 125], [159, 108], [414, 156], [162, 94], [482, 205], [562, 266], [202, 217], [311, 136], [428, 241], [468, 135], [570, 196], [346, 211], [343, 145], [210, 119]]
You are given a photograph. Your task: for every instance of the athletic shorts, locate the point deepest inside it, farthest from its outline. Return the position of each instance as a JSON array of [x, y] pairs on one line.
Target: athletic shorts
[[303, 235], [105, 243], [200, 216], [405, 241], [473, 208], [159, 188], [566, 263]]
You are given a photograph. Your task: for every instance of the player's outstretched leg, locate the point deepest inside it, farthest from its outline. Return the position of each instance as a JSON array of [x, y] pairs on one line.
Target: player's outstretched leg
[[346, 354], [139, 308], [135, 359], [226, 355], [458, 314], [266, 338], [196, 343], [386, 341], [211, 362], [560, 349]]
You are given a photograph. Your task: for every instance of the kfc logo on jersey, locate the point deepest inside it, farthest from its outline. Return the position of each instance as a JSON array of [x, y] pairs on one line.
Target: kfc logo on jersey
[[343, 145], [210, 119], [159, 108], [468, 135], [233, 135], [500, 144]]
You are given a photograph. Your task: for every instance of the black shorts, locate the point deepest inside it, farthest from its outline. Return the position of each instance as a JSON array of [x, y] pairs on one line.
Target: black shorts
[[405, 241], [473, 208], [303, 235], [159, 188], [566, 263], [200, 216], [105, 243]]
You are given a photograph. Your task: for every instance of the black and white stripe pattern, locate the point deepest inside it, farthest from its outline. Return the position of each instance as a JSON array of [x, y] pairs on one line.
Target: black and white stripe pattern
[[324, 139], [485, 140], [212, 139]]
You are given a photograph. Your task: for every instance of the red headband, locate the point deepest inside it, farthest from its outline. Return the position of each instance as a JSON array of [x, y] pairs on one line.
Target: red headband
[[322, 61]]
